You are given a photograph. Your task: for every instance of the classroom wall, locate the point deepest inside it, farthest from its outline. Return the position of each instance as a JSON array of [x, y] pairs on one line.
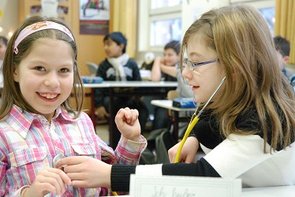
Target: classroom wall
[[8, 16], [90, 47]]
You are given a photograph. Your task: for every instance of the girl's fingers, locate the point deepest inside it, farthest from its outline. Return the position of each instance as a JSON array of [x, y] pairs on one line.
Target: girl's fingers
[[64, 177], [130, 115], [53, 180], [67, 161], [76, 176], [46, 183], [135, 115], [79, 183], [72, 168]]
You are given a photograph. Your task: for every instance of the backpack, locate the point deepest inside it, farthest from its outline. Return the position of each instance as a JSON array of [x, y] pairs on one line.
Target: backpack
[[159, 142]]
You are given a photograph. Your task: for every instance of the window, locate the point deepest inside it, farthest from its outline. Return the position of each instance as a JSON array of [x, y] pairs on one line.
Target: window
[[266, 8], [160, 22], [164, 3], [164, 30], [269, 16]]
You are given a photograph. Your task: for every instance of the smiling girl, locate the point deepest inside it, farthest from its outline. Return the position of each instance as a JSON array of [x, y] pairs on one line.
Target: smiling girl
[[38, 125], [247, 131]]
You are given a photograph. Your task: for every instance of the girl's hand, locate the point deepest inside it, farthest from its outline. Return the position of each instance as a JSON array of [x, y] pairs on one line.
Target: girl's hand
[[188, 153], [50, 180], [86, 171], [128, 123]]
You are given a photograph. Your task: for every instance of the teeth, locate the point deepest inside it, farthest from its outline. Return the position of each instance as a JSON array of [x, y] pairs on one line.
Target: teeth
[[48, 95]]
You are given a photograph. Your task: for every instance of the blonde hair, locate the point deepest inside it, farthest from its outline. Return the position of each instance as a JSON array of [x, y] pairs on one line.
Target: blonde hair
[[11, 90], [245, 49]]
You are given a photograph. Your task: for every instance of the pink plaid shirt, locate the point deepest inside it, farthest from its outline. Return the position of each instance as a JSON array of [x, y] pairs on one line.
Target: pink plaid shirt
[[28, 144]]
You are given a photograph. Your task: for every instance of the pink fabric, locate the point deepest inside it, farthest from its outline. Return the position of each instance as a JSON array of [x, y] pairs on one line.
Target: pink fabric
[[28, 144], [42, 25]]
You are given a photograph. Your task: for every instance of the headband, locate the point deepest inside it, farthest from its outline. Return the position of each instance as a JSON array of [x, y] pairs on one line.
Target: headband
[[42, 25]]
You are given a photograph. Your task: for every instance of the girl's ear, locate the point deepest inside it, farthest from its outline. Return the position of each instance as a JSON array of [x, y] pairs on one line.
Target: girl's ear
[[16, 75]]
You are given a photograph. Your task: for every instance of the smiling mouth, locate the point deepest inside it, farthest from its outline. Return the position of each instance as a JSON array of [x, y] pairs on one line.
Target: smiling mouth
[[48, 96]]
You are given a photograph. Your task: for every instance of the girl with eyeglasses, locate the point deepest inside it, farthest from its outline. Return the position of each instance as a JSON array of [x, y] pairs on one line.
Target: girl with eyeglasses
[[247, 131]]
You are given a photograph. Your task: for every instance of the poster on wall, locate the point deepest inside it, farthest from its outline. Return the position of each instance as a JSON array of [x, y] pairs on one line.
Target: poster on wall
[[2, 5], [94, 16], [49, 8]]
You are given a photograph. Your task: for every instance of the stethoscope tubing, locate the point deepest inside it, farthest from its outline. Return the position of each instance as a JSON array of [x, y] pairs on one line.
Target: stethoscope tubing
[[194, 121]]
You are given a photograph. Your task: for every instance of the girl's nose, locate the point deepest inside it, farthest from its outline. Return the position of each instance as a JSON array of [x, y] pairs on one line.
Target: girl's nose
[[52, 80], [186, 73]]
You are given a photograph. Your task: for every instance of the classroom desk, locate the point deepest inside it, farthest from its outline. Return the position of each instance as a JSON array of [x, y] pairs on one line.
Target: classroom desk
[[167, 104], [130, 84], [282, 191], [138, 88]]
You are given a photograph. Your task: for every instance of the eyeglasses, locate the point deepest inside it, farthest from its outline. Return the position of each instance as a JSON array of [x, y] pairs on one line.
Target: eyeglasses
[[193, 65]]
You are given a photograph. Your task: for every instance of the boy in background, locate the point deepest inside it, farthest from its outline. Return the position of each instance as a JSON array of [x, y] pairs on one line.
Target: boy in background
[[283, 50], [282, 46], [165, 69], [117, 67]]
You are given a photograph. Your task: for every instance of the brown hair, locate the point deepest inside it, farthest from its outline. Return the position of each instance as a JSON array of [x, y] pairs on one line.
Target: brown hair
[[244, 47], [11, 91]]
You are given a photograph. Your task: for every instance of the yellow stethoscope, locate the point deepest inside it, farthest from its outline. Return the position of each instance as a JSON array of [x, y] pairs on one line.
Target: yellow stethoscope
[[193, 122]]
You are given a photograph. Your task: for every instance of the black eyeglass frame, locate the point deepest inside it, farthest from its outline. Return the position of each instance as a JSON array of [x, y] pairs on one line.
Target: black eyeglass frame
[[195, 65]]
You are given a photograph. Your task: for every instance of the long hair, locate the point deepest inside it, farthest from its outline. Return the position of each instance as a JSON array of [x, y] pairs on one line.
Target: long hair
[[245, 49], [11, 90]]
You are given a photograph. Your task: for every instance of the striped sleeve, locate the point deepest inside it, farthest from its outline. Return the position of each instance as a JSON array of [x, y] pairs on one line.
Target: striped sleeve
[[128, 151]]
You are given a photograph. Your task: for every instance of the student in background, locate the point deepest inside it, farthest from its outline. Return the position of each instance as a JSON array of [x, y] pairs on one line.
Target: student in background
[[248, 129], [117, 67], [164, 69], [282, 46], [168, 68], [3, 46], [38, 124]]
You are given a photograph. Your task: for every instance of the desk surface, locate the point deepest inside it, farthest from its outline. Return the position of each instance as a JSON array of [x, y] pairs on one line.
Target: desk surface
[[283, 191], [137, 84], [167, 104]]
